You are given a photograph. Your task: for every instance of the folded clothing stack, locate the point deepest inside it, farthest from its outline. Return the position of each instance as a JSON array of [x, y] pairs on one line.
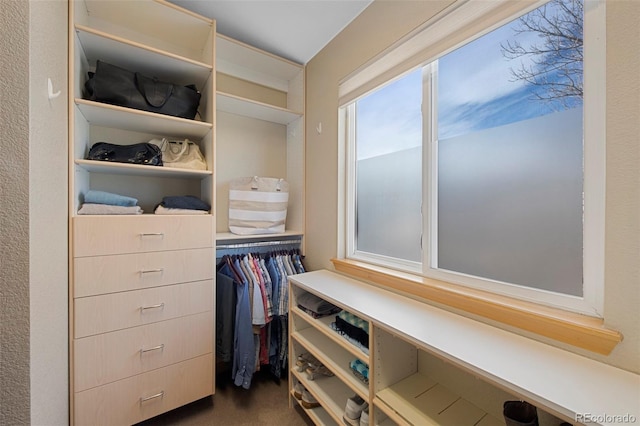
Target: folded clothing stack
[[182, 204], [101, 202], [360, 370], [353, 327], [316, 306]]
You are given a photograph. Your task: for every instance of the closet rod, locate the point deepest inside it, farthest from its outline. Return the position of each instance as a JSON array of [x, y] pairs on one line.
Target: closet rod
[[259, 244]]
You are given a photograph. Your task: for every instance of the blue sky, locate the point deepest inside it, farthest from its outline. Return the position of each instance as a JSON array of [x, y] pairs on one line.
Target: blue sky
[[474, 93]]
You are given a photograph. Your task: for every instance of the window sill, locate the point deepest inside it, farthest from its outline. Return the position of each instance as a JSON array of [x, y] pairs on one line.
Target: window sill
[[574, 329]]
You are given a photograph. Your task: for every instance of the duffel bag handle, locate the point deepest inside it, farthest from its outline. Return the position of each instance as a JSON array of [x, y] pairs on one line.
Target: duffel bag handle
[[155, 92]]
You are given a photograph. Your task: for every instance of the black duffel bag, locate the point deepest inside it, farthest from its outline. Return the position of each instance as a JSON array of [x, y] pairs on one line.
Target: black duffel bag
[[117, 86], [139, 153]]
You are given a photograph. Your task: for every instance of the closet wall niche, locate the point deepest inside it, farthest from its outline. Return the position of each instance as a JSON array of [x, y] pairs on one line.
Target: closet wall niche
[[260, 127]]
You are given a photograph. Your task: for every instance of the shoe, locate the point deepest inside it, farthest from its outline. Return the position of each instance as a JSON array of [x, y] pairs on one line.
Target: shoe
[[364, 417], [520, 413], [313, 372], [308, 401], [305, 361], [297, 390], [353, 410]]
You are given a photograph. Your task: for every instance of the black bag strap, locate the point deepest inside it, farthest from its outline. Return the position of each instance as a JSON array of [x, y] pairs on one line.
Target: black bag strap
[[156, 92]]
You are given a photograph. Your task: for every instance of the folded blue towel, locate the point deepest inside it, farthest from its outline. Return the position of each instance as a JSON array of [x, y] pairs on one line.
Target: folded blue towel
[[101, 197]]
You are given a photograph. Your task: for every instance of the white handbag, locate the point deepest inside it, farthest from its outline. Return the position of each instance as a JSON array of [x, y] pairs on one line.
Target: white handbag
[[182, 154], [258, 205]]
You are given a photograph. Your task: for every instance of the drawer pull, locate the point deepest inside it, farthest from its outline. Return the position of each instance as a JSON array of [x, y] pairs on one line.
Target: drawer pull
[[155, 348], [152, 234], [150, 271], [158, 306], [158, 395]]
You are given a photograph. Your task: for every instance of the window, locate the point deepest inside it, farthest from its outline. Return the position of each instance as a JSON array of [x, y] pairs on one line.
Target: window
[[482, 164]]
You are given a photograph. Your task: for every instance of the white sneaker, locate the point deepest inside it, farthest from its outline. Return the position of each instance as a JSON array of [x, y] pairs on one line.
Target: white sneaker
[[364, 417], [353, 410]]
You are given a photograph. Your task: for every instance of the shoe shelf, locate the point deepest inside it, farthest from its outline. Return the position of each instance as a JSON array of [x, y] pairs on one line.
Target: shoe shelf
[[428, 366], [319, 415], [419, 400], [323, 325], [330, 392], [332, 356]]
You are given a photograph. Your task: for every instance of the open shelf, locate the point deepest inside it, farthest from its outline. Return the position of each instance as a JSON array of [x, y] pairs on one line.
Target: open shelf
[[421, 401], [117, 117], [105, 47], [318, 414], [140, 170], [228, 237], [249, 108], [330, 392], [334, 357], [249, 63], [164, 25], [323, 325]]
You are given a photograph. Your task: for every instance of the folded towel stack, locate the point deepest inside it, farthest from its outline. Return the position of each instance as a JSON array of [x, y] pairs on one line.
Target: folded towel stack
[[182, 204], [101, 202]]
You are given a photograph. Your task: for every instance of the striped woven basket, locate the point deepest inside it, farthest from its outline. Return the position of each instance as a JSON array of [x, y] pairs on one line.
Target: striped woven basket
[[258, 205]]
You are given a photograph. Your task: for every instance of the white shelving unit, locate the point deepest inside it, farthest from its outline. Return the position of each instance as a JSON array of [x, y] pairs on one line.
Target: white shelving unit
[[431, 367], [139, 283], [260, 105]]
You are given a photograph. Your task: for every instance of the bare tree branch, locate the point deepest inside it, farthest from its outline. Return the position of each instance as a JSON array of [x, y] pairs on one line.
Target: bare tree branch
[[555, 65]]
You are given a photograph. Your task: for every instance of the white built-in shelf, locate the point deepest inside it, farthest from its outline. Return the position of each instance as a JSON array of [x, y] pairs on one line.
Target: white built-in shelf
[[330, 390], [229, 238], [560, 382], [158, 22], [249, 108], [249, 63], [113, 116], [334, 357], [422, 401], [318, 415], [114, 168], [136, 57], [323, 325]]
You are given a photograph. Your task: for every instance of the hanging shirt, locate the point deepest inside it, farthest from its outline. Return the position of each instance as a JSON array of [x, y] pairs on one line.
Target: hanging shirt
[[243, 365]]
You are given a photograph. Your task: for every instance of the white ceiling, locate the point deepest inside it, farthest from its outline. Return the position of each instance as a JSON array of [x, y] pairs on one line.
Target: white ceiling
[[293, 29]]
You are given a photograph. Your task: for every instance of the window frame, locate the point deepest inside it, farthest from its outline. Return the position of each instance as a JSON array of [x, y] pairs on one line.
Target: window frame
[[591, 303]]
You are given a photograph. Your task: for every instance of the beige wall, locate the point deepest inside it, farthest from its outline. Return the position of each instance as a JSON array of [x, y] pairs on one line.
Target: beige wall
[[383, 23], [14, 215], [48, 232]]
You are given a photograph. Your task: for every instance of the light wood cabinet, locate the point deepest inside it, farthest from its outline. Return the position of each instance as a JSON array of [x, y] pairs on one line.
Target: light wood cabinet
[[428, 366], [142, 293]]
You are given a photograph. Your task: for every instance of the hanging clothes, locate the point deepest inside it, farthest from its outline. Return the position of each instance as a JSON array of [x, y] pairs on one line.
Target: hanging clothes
[[257, 314]]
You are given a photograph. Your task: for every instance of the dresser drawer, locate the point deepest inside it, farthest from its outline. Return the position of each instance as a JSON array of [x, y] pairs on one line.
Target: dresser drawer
[[116, 311], [146, 395], [108, 357], [103, 235], [109, 274]]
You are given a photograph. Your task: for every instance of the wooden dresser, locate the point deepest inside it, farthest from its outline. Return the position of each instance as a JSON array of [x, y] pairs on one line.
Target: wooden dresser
[[143, 316]]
